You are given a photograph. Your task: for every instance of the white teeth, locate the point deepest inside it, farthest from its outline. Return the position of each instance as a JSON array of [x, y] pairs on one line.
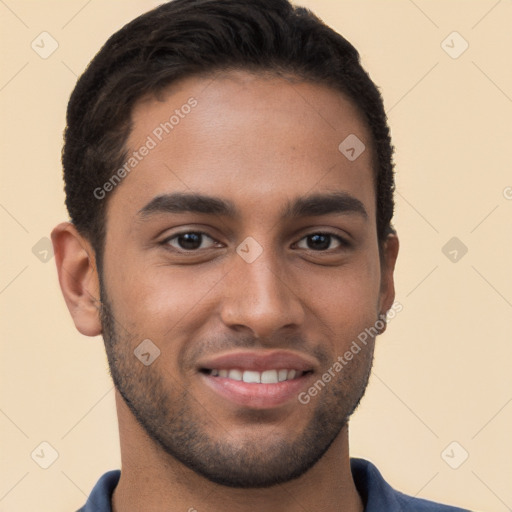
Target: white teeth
[[269, 377], [235, 374], [251, 376]]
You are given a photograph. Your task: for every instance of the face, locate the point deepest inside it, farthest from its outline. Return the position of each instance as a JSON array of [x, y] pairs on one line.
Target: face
[[243, 245]]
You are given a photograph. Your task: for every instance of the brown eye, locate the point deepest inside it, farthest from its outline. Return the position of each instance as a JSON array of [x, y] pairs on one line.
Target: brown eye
[[323, 242], [188, 241]]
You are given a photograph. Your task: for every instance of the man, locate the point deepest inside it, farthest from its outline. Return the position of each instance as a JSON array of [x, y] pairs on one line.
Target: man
[[229, 178]]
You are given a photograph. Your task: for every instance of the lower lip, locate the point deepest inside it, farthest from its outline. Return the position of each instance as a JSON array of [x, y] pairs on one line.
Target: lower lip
[[254, 395]]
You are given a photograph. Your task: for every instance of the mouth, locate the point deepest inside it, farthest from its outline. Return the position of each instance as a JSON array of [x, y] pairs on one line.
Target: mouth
[[258, 380]]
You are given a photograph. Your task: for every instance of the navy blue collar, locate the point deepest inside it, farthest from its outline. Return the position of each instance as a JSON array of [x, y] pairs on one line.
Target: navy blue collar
[[376, 493]]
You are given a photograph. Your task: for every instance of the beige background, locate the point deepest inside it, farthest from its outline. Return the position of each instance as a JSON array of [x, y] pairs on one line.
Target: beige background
[[442, 370]]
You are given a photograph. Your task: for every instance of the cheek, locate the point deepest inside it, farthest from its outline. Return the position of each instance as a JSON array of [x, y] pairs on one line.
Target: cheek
[[159, 300], [352, 288], [341, 304]]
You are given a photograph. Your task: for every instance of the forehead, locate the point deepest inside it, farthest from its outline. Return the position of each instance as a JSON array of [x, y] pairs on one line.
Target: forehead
[[255, 140]]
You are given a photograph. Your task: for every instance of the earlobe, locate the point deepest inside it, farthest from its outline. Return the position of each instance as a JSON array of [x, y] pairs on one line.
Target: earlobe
[[388, 261], [78, 277]]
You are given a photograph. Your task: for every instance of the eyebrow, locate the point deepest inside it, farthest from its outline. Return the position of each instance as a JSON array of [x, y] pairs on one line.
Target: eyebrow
[[305, 206]]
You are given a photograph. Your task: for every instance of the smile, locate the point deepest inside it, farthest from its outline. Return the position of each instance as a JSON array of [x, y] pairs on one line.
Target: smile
[[256, 377]]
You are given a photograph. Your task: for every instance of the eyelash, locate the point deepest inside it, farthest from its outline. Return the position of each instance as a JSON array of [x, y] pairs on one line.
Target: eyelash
[[343, 243]]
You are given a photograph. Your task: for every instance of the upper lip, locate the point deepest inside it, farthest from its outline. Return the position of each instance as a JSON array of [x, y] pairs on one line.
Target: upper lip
[[260, 361]]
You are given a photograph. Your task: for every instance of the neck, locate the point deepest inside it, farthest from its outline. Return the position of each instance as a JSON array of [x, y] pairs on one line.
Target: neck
[[151, 480]]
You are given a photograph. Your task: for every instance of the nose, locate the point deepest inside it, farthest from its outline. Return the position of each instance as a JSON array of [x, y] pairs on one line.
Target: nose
[[259, 296]]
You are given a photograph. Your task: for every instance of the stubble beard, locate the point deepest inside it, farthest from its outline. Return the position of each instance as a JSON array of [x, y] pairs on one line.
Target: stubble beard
[[179, 425]]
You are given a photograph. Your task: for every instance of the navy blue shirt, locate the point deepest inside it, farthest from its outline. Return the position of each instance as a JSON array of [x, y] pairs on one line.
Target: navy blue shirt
[[377, 495]]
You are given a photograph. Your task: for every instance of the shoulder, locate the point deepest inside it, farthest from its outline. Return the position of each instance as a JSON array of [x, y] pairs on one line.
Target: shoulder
[[379, 496], [421, 505]]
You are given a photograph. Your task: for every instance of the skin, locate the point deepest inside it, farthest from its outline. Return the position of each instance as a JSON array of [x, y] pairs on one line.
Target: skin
[[259, 142]]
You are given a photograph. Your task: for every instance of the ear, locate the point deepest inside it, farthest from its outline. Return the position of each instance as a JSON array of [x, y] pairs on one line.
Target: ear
[[389, 254], [78, 277]]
